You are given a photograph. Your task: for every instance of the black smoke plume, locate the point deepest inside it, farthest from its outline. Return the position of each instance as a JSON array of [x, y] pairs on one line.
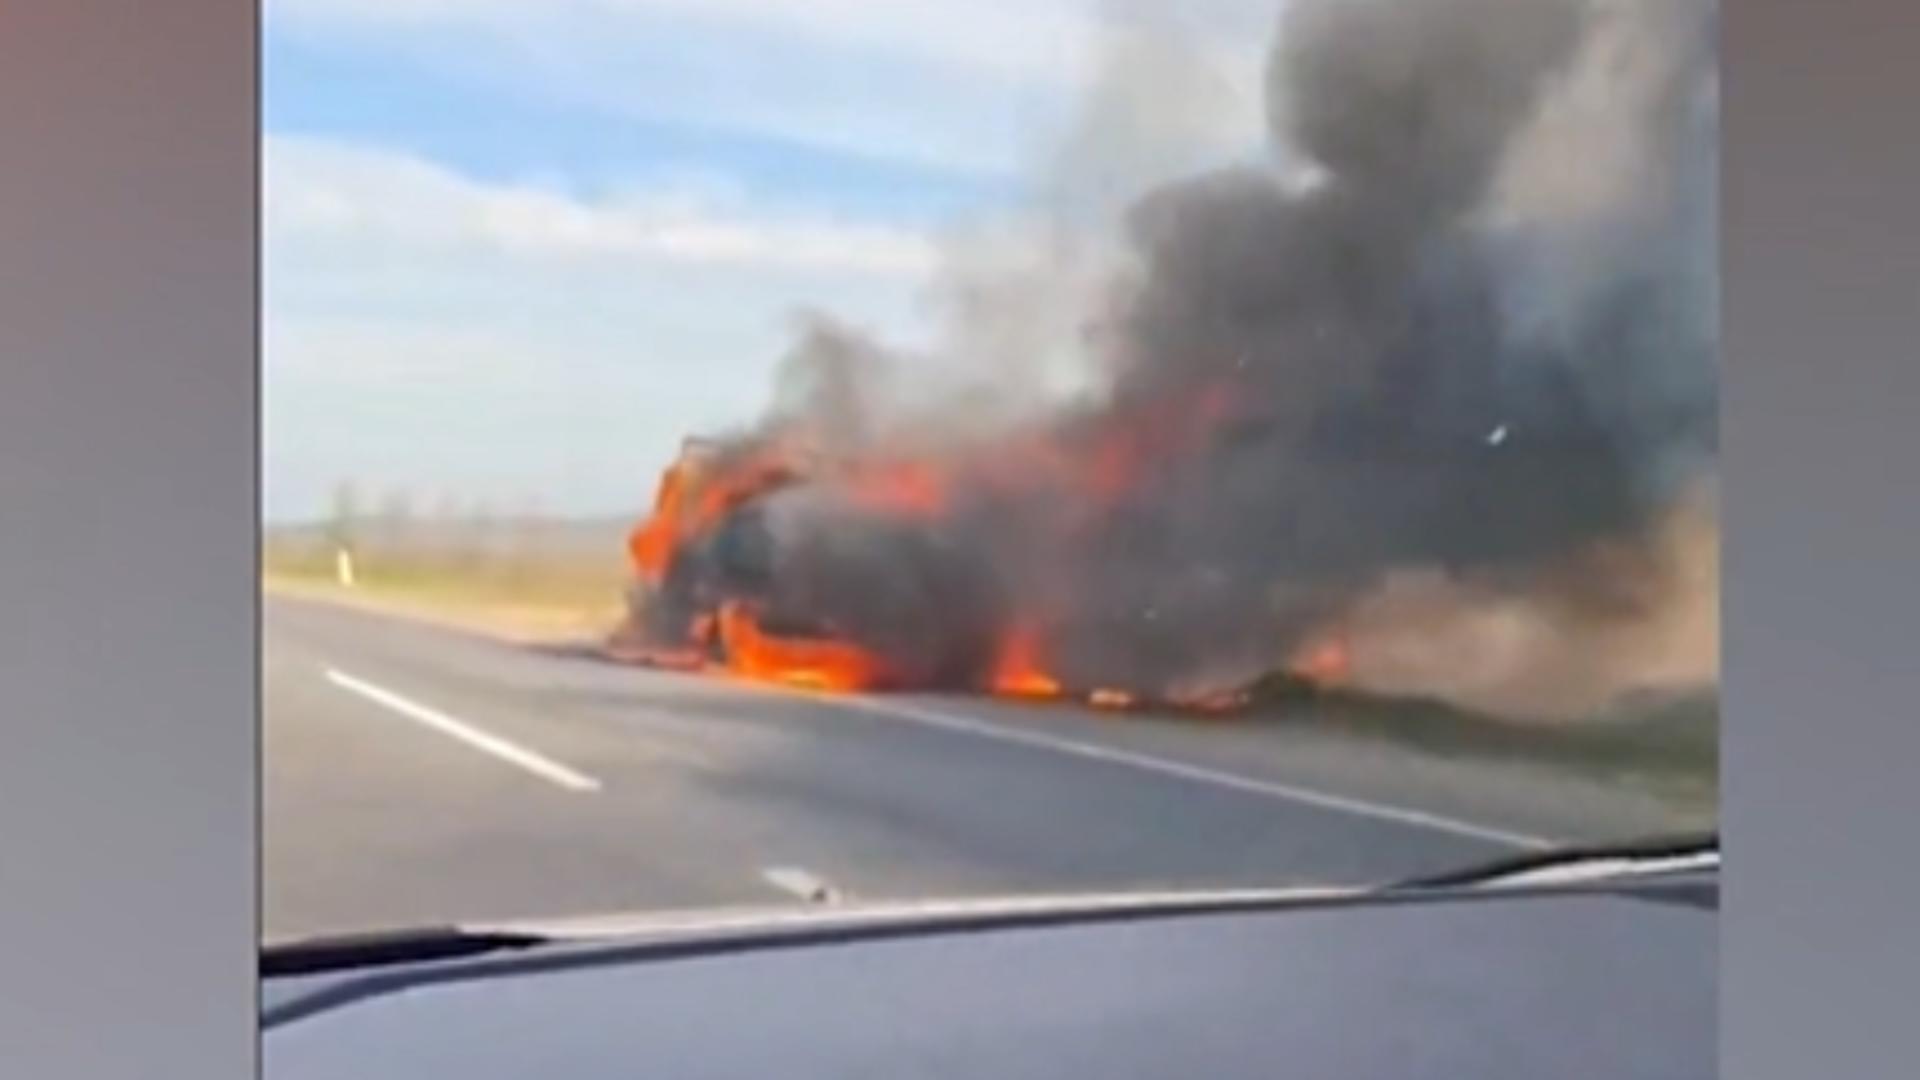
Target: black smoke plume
[[1475, 349]]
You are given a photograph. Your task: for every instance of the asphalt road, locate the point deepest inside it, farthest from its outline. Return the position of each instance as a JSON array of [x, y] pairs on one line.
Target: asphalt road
[[414, 774]]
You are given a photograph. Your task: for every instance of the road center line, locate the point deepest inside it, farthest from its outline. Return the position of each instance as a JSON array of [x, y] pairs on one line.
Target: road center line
[[485, 742], [1198, 773]]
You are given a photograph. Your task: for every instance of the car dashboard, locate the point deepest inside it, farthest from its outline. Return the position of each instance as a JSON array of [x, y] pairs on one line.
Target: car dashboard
[[1511, 984]]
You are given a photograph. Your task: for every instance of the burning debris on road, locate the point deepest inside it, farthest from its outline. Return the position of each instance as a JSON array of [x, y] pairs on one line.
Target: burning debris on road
[[1437, 421]]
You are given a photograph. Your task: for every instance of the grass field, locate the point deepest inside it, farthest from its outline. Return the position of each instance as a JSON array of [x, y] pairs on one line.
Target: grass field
[[1667, 747], [529, 579]]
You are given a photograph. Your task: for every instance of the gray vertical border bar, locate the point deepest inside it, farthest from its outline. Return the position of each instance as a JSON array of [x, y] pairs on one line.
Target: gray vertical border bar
[[1821, 754], [128, 583]]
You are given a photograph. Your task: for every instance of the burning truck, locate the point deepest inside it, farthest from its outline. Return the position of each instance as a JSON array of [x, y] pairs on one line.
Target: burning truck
[[774, 556], [703, 585], [1434, 422]]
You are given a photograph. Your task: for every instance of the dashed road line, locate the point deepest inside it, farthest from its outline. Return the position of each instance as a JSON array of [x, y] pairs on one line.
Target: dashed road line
[[484, 741]]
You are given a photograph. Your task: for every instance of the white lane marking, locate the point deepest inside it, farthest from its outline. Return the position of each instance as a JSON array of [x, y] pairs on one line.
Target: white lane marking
[[1199, 773], [799, 882], [486, 742]]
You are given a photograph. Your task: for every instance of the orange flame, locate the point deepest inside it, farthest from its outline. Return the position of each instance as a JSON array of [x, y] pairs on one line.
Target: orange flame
[[689, 502], [653, 543], [1017, 671], [1087, 469], [810, 662], [911, 488]]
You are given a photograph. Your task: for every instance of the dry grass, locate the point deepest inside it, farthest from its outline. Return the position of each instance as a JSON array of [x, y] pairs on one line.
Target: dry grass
[[1667, 746], [530, 594]]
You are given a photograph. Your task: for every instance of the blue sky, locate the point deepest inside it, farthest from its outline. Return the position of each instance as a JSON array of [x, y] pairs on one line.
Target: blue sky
[[514, 249]]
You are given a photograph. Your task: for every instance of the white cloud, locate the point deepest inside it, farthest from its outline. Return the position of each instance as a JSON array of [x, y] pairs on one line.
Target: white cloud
[[332, 192], [971, 87], [441, 332], [1025, 38], [432, 332]]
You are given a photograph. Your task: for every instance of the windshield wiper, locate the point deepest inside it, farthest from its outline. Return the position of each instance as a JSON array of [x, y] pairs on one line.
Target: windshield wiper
[[361, 951], [1681, 851]]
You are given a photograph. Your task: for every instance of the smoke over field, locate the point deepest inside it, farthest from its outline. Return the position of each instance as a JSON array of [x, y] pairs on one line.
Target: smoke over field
[[1423, 402]]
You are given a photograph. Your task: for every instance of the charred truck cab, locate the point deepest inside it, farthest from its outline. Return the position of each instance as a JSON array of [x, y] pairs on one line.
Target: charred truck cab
[[701, 536]]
